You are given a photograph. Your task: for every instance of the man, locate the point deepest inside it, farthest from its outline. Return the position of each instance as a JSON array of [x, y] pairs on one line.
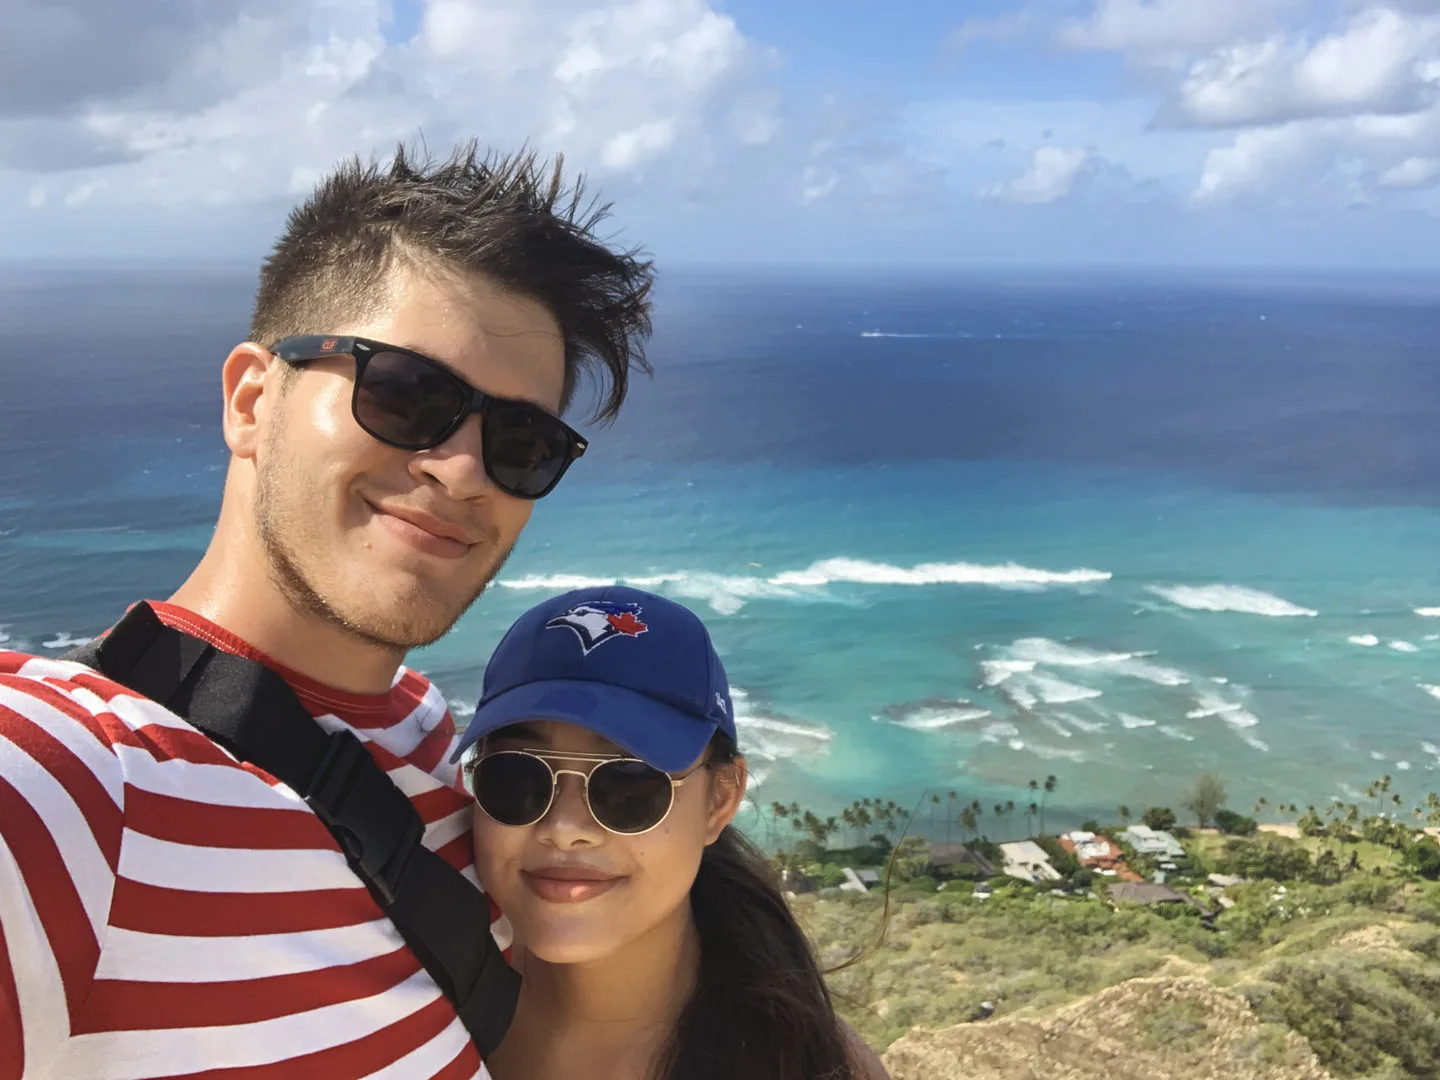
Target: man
[[168, 911]]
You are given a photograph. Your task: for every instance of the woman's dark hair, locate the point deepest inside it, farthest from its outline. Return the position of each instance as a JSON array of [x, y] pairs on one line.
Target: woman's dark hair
[[510, 219], [760, 1008]]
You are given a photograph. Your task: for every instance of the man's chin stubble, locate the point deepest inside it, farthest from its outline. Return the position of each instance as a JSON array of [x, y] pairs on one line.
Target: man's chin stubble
[[393, 633]]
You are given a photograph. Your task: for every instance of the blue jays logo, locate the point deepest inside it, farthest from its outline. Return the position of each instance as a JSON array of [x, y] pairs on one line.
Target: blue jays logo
[[601, 621]]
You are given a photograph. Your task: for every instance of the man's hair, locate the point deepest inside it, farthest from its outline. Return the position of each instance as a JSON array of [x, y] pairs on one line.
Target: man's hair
[[512, 220]]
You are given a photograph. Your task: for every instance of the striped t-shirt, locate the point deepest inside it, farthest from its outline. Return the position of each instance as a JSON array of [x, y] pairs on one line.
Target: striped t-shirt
[[166, 911]]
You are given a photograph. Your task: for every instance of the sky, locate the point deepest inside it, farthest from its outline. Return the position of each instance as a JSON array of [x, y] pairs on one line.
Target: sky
[[1214, 133]]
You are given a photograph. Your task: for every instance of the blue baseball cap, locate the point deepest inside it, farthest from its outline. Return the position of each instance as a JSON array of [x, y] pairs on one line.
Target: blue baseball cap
[[629, 665]]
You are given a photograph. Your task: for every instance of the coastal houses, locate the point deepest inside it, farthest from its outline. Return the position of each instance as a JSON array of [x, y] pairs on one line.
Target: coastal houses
[[953, 855], [1027, 860], [1096, 852], [1154, 842]]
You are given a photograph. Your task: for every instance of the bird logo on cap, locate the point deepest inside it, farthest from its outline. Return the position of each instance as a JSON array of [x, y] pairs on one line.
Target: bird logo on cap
[[600, 621]]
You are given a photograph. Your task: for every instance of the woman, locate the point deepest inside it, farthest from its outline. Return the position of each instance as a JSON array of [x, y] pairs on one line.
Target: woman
[[653, 941]]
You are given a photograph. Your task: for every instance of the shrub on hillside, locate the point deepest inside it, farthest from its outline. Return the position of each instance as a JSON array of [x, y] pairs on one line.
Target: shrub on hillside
[[1423, 856], [1360, 1011], [1233, 824], [1159, 817], [1274, 857], [1061, 859]]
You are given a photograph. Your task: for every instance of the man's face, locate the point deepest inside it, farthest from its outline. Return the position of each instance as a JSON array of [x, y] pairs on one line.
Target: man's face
[[349, 524]]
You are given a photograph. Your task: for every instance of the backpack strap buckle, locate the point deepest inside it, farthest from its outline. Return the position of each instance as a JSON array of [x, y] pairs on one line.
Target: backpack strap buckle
[[375, 824]]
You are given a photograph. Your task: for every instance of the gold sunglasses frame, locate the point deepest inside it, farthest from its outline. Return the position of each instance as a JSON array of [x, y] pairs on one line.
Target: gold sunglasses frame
[[596, 760]]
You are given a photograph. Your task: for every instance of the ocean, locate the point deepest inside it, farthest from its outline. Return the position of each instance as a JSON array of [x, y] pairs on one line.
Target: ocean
[[951, 532]]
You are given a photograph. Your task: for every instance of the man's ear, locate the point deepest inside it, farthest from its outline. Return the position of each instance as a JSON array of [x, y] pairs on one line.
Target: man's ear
[[727, 792], [251, 386]]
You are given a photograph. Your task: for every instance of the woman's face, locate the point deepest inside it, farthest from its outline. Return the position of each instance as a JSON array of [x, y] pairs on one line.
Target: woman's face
[[573, 891]]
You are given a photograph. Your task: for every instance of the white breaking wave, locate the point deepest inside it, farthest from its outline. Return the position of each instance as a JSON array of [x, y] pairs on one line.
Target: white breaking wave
[[1051, 753], [460, 708], [1428, 612], [1433, 691], [993, 733], [1403, 766], [936, 717], [63, 640], [1135, 721], [773, 739], [1043, 651], [727, 594], [1057, 727], [1404, 646], [1369, 641], [1027, 690], [1090, 727], [1235, 598], [996, 672], [1005, 576], [1255, 741], [1175, 733]]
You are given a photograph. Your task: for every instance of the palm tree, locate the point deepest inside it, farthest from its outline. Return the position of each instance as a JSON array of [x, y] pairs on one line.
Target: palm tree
[[934, 805], [1124, 815], [949, 816], [1260, 805], [1009, 810], [778, 812], [969, 821], [848, 817], [1050, 784], [1030, 813]]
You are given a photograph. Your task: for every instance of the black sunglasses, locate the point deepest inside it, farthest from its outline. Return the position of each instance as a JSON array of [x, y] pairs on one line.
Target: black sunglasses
[[411, 402], [625, 795]]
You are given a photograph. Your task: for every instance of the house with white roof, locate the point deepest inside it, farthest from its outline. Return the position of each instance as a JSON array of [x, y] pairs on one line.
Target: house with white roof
[[1028, 861], [1156, 842]]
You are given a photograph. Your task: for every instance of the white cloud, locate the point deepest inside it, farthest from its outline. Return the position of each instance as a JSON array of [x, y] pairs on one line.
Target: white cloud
[[1382, 61], [1335, 161], [36, 197], [1161, 30], [1051, 176], [1413, 172], [621, 86]]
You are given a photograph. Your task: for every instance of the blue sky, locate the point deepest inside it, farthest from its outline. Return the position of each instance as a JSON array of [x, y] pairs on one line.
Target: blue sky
[[1130, 132]]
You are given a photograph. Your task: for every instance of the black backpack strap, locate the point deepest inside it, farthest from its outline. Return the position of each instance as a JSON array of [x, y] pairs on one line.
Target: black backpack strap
[[250, 710]]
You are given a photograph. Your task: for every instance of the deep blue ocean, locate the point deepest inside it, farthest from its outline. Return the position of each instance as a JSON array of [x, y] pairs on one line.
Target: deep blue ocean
[[950, 532]]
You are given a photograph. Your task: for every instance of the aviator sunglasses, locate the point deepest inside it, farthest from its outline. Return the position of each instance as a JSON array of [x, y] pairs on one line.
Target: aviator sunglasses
[[411, 402], [625, 795]]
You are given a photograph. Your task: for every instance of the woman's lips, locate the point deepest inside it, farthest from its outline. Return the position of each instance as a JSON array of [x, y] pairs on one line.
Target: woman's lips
[[568, 885]]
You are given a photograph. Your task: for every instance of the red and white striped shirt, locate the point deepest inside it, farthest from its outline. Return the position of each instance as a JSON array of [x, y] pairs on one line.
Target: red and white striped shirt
[[166, 911]]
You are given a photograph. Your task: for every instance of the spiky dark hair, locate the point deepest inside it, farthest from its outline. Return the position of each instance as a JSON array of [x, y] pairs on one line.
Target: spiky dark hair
[[511, 219]]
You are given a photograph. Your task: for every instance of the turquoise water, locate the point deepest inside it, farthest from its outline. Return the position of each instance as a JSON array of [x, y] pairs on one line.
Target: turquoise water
[[1113, 532]]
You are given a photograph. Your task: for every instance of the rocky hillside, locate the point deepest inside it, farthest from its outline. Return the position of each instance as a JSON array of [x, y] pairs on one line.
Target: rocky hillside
[[1143, 1029], [1315, 982]]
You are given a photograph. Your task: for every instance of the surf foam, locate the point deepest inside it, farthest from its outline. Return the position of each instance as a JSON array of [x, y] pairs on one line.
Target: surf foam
[[727, 594], [1368, 641], [1047, 653], [933, 716], [1004, 576], [1234, 598]]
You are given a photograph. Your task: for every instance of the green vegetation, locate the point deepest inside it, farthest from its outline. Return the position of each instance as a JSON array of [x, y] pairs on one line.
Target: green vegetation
[[1333, 933]]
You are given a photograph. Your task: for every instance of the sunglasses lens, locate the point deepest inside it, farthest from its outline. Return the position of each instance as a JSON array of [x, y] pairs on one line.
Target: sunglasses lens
[[526, 449], [404, 401], [629, 796], [514, 789]]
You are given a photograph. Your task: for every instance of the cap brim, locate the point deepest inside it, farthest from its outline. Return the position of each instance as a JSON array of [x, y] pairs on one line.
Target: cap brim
[[666, 737]]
